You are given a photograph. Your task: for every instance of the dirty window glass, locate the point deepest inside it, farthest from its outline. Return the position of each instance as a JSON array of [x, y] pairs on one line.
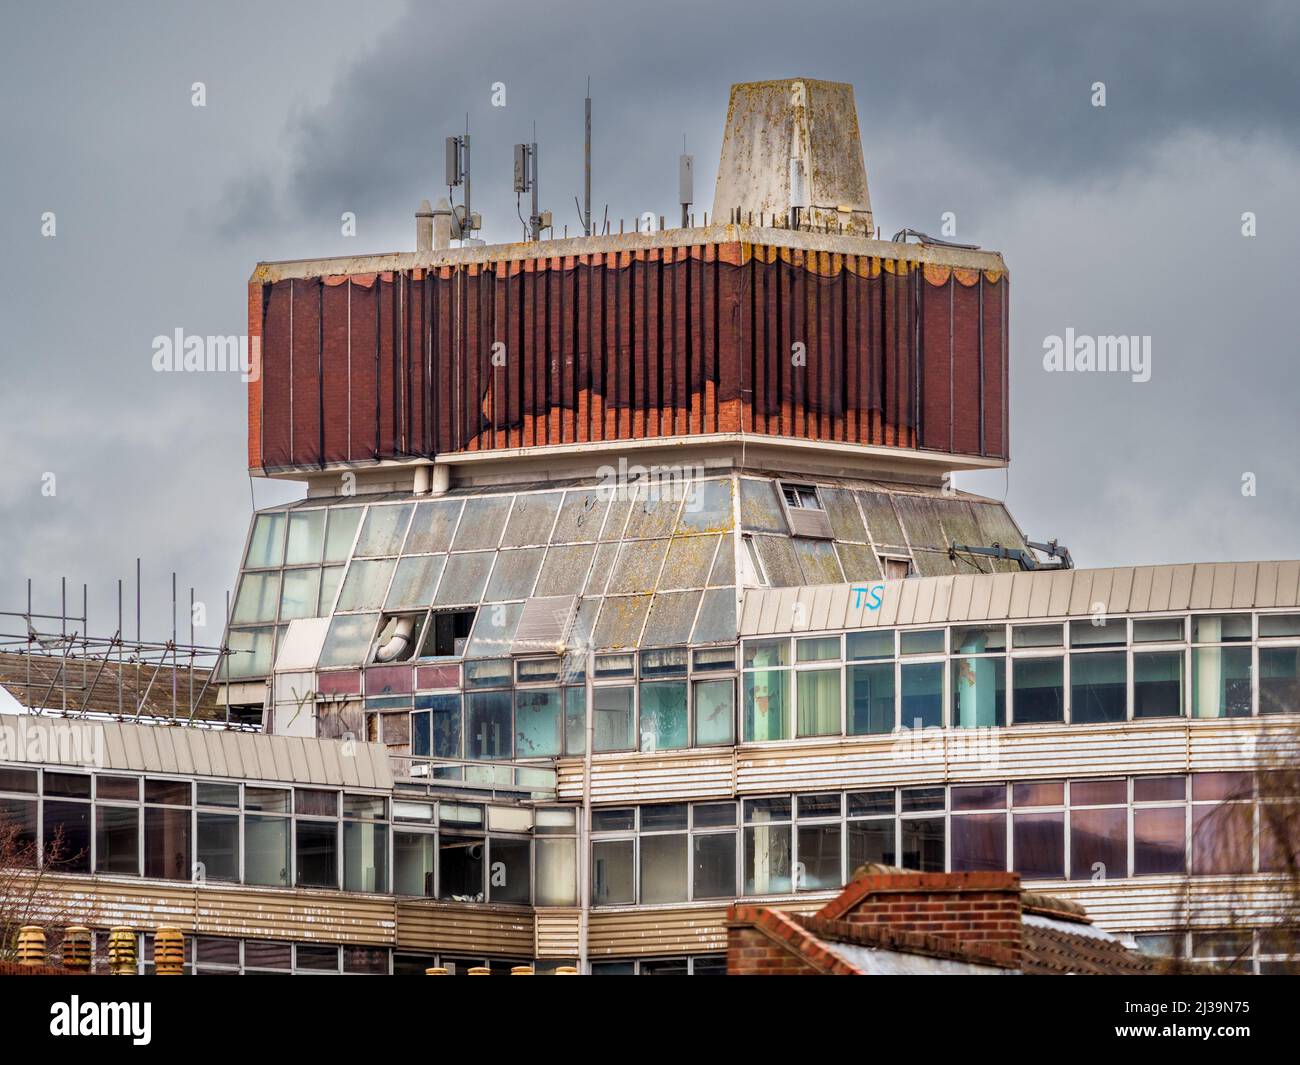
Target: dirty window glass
[[482, 522], [514, 574], [531, 519], [760, 508], [340, 531], [565, 569], [306, 536], [707, 507], [365, 584], [348, 639], [432, 527], [266, 547], [464, 578], [689, 559], [414, 582], [383, 530]]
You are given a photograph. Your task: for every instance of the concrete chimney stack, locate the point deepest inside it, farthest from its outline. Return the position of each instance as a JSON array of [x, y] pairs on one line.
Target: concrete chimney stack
[[424, 227], [792, 153]]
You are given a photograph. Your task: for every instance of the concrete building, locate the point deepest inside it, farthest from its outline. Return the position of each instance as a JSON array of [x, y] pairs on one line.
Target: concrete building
[[629, 585]]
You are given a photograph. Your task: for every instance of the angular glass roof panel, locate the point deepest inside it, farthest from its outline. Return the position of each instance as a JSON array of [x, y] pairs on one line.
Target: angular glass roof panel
[[581, 516], [259, 595], [531, 519], [494, 630], [717, 620], [616, 520], [482, 522], [671, 616], [846, 520], [689, 561], [266, 545], [724, 563], [340, 532], [600, 569], [654, 509], [780, 563], [620, 621], [433, 526], [414, 582], [920, 517], [252, 655], [348, 640], [858, 561], [817, 558], [463, 579], [306, 537], [383, 531], [707, 507], [760, 507], [638, 565], [514, 574], [366, 584], [565, 569], [300, 593], [881, 519]]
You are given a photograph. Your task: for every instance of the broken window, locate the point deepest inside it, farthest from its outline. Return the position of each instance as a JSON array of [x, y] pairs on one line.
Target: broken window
[[447, 633]]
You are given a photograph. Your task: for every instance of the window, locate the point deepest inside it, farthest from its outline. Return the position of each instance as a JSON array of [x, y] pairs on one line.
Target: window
[[979, 839], [1038, 690], [612, 877], [801, 497], [1038, 830], [818, 864], [460, 867], [117, 840], [715, 712], [557, 868], [818, 701], [870, 698], [1158, 684], [510, 870], [1221, 681], [413, 863], [871, 828], [767, 705], [538, 722], [612, 718], [663, 715], [921, 705], [488, 729], [1279, 679], [1098, 830], [447, 633], [768, 858], [895, 568], [979, 692], [316, 853], [921, 829], [1098, 687], [713, 850]]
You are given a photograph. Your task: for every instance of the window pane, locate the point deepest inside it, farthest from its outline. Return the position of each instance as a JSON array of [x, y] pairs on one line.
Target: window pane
[[575, 721], [348, 640], [1037, 636], [1039, 690], [432, 527], [819, 858], [663, 869], [611, 872], [537, 723], [979, 640], [366, 583], [767, 710], [167, 843], [383, 530], [488, 731], [871, 699], [266, 546], [510, 873], [306, 537], [66, 835], [818, 649], [767, 860], [922, 701], [663, 716], [923, 844], [715, 865], [1223, 838], [979, 797], [1112, 632], [773, 809], [979, 843], [865, 645], [612, 719], [1279, 679], [127, 788], [300, 594], [342, 529], [1220, 628], [460, 868], [413, 858], [266, 850], [1159, 789], [463, 579], [766, 653], [414, 581], [714, 815], [1221, 682], [557, 872], [1274, 625], [1159, 840], [1098, 688], [871, 842], [927, 642], [979, 692], [715, 712], [18, 821], [317, 853], [1038, 841], [1158, 630], [1098, 844], [217, 846], [916, 799], [117, 840], [365, 861], [330, 578], [1038, 793], [819, 702], [1158, 684], [316, 802], [1098, 792], [257, 599]]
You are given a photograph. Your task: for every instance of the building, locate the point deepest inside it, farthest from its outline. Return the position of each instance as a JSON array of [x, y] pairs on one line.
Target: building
[[630, 585]]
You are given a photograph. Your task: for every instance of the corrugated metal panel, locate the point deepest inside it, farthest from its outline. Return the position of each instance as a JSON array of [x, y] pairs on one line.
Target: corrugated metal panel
[[557, 933], [312, 916], [691, 774], [217, 752], [647, 932], [1024, 596], [1161, 904], [544, 624], [1023, 753], [499, 931]]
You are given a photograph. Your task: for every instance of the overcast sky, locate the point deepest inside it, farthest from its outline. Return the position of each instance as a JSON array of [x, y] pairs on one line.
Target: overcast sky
[[1117, 220]]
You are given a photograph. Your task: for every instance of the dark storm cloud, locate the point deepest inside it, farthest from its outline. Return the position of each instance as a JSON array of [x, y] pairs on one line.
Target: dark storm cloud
[[1002, 85]]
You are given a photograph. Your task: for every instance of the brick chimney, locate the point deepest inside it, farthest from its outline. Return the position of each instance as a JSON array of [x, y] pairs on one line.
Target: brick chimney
[[966, 908]]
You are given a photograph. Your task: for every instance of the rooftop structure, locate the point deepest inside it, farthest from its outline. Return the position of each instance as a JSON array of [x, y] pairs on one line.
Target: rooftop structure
[[629, 589]]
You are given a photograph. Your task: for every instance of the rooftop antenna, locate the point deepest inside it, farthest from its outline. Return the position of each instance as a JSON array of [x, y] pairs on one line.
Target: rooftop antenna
[[464, 221], [526, 181], [685, 182], [586, 165]]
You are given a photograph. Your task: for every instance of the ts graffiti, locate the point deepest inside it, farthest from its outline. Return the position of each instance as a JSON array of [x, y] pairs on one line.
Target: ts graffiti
[[874, 596]]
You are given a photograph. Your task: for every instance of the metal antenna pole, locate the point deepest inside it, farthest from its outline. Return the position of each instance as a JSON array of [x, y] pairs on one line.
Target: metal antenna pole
[[586, 168]]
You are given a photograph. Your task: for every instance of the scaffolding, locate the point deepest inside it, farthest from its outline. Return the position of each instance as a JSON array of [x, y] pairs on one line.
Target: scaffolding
[[52, 664]]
